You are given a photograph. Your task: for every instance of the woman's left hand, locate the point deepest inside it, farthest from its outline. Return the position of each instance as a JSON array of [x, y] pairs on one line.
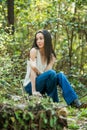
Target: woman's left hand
[[36, 93]]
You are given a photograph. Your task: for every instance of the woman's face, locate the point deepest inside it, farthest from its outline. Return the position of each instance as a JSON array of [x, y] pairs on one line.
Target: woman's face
[[40, 40]]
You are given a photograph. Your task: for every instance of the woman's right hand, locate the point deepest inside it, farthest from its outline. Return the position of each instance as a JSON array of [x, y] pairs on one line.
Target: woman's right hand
[[36, 93]]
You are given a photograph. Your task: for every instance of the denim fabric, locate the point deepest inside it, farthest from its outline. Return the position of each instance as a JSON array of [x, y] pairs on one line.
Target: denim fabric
[[47, 83], [68, 92]]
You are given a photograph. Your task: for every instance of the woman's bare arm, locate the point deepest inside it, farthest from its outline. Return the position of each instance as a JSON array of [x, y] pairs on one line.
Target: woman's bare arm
[[33, 61], [34, 70]]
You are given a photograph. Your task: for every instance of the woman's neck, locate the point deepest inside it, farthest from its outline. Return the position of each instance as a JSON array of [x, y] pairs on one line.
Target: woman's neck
[[43, 57], [42, 52]]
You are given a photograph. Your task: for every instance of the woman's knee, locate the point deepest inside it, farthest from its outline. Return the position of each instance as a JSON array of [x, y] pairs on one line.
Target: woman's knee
[[52, 72], [60, 74]]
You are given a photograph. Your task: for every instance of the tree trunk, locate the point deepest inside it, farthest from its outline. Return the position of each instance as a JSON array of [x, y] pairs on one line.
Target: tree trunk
[[10, 6]]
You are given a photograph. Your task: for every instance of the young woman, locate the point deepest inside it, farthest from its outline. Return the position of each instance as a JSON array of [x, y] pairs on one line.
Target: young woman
[[40, 77]]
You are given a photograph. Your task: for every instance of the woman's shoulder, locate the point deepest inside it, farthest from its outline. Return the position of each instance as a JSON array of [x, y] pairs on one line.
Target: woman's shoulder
[[33, 52]]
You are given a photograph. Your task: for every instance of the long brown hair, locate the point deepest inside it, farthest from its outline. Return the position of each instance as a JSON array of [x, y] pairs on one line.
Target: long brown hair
[[48, 48]]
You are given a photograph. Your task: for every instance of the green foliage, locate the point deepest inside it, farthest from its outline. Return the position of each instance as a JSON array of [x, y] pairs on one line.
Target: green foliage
[[74, 126], [68, 30], [83, 113], [17, 116], [77, 119], [67, 22]]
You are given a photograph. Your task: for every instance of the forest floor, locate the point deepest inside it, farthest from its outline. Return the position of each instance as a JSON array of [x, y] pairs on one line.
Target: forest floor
[[77, 118]]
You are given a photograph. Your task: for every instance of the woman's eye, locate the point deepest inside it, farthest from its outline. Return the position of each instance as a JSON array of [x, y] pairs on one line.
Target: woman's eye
[[39, 38]]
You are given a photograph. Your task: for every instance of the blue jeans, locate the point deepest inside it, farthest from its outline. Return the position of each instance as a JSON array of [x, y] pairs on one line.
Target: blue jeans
[[47, 83], [68, 92]]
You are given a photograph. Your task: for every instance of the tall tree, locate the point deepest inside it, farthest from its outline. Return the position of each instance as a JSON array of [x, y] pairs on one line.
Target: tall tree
[[10, 6]]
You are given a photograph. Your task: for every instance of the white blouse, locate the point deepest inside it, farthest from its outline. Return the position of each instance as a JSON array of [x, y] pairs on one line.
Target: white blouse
[[39, 65]]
